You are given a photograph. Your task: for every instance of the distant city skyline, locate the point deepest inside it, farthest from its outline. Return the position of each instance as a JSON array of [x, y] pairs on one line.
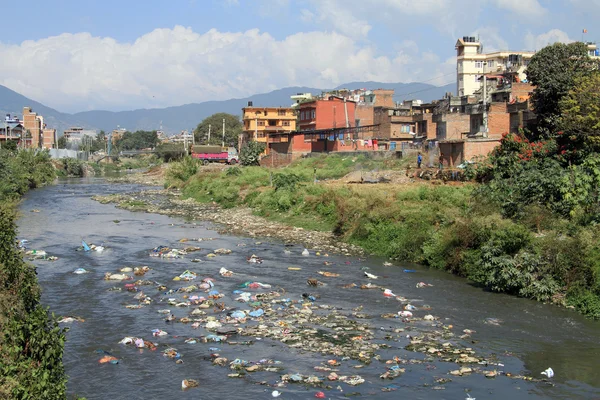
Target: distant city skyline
[[78, 56]]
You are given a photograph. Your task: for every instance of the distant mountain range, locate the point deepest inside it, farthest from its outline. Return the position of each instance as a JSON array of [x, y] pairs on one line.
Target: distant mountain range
[[187, 116]]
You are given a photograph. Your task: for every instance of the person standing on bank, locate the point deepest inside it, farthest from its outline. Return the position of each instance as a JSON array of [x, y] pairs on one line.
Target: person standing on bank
[[441, 161], [419, 160]]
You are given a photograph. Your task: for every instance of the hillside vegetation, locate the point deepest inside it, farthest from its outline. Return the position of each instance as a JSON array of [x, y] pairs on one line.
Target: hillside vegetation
[[31, 343]]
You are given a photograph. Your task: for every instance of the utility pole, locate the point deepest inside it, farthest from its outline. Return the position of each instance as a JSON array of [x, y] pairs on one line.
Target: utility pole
[[208, 142], [485, 115], [223, 141], [193, 137]]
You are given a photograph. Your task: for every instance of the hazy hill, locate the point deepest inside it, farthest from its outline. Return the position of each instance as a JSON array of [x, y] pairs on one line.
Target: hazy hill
[[177, 118]]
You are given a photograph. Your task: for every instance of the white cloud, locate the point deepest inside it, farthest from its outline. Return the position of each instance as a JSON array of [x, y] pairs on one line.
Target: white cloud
[[527, 8], [75, 72], [533, 42], [306, 15], [351, 17], [491, 39]]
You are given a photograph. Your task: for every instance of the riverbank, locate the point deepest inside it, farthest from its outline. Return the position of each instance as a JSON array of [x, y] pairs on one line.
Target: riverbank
[[31, 344], [445, 225]]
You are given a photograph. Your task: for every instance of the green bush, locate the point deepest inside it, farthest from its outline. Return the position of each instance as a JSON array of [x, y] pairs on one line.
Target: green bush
[[250, 153], [73, 167], [180, 172]]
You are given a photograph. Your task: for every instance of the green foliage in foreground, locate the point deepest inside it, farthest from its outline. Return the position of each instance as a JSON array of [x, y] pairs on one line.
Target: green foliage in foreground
[[23, 170], [31, 343]]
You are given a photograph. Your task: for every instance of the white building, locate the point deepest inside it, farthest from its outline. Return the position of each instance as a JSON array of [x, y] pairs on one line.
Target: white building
[[472, 63], [300, 98]]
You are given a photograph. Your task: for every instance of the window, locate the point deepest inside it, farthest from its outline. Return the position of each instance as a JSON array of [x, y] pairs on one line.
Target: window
[[405, 129], [261, 123], [314, 114], [286, 123], [490, 64], [460, 64], [280, 112], [478, 64]]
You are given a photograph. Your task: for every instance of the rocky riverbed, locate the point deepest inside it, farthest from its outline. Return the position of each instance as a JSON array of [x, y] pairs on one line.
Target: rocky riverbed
[[235, 220]]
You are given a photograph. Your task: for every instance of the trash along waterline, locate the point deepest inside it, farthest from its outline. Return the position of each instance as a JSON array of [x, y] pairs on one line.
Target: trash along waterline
[[292, 325]]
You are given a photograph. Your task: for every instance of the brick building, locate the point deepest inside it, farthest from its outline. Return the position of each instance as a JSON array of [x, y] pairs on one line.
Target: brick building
[[365, 109], [48, 138], [331, 112], [32, 123]]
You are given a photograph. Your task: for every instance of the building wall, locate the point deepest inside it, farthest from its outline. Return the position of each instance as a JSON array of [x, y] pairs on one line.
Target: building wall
[[48, 135], [328, 114], [32, 124], [427, 127], [521, 91], [365, 114], [257, 120], [498, 120], [479, 148], [452, 126], [456, 153], [384, 98], [393, 126]]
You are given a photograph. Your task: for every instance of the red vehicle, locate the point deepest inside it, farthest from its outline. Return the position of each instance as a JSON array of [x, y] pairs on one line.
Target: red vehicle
[[209, 154]]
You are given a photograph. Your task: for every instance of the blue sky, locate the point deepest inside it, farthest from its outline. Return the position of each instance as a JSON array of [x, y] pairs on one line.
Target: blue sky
[[117, 55]]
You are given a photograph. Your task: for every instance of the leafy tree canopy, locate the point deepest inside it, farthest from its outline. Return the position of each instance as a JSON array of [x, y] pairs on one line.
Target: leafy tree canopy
[[580, 115], [553, 71], [137, 140], [233, 129]]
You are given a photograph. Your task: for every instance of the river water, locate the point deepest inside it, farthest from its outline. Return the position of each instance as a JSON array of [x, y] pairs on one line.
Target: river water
[[526, 337]]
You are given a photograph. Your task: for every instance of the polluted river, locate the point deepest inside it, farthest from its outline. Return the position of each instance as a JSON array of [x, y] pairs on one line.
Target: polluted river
[[201, 312]]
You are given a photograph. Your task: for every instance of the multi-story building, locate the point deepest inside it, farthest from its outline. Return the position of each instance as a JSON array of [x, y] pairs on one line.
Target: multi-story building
[[76, 134], [267, 124], [472, 63], [32, 124], [330, 112]]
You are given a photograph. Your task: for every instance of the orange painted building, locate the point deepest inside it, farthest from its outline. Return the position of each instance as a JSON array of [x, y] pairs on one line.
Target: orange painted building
[[333, 112]]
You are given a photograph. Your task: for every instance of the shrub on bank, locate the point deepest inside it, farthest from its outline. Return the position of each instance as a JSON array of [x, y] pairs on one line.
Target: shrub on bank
[[31, 344]]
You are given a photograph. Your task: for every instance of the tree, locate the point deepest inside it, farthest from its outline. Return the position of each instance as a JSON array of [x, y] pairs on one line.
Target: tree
[[553, 71], [250, 153], [137, 140], [62, 142], [233, 129], [580, 114]]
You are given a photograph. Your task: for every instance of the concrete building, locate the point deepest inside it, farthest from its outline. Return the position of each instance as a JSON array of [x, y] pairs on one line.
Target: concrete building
[[471, 63], [331, 112], [268, 125], [76, 134], [300, 98]]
